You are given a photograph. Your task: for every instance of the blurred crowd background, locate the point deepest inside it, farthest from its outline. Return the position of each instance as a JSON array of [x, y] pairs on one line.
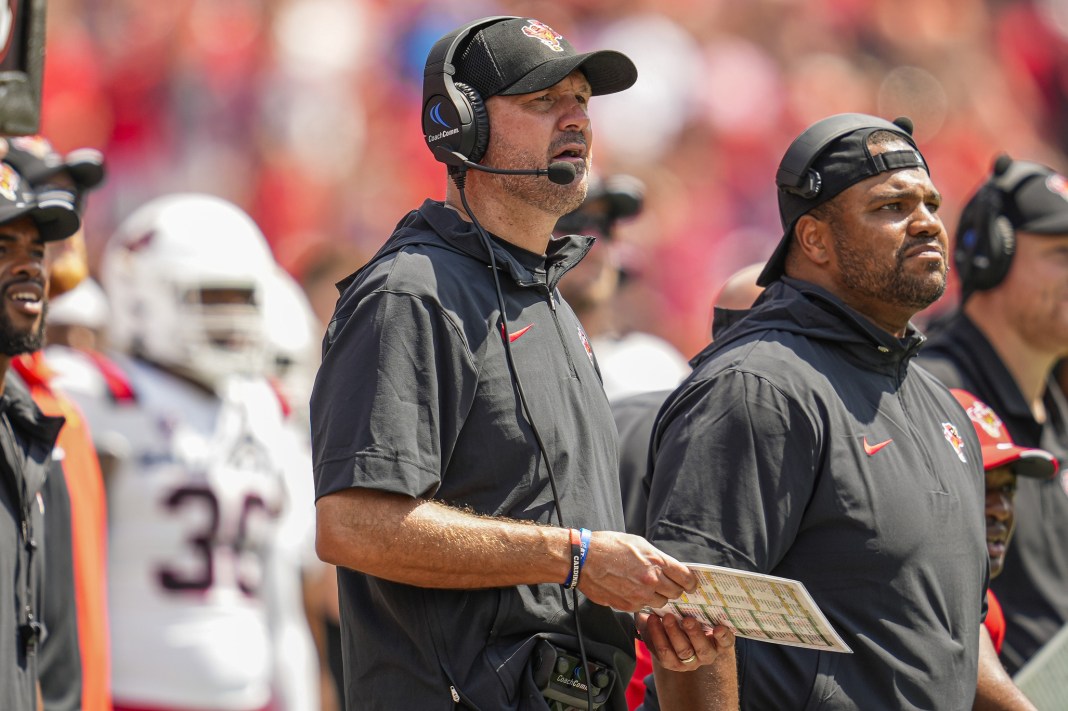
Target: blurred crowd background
[[306, 114]]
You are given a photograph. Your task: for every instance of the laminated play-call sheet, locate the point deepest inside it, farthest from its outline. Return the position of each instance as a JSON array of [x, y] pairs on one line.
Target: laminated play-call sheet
[[755, 606]]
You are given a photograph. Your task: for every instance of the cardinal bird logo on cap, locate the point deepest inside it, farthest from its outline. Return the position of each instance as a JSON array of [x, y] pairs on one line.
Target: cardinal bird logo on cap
[[954, 438], [37, 146], [983, 416], [9, 182], [546, 34]]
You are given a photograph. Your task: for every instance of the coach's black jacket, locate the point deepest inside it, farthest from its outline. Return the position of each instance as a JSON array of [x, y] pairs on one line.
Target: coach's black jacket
[[27, 438], [415, 396], [804, 445]]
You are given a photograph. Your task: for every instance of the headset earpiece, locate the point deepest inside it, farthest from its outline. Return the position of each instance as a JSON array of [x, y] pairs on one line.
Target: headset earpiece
[[984, 252], [455, 122], [479, 129], [810, 186]]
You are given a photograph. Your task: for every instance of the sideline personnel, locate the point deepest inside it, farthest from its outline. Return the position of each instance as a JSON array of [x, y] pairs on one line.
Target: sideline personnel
[[27, 437], [78, 677], [458, 453], [1002, 345], [1004, 463], [805, 446]]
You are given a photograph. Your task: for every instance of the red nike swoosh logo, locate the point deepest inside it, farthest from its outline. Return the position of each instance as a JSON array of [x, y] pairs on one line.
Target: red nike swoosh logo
[[513, 337], [871, 449]]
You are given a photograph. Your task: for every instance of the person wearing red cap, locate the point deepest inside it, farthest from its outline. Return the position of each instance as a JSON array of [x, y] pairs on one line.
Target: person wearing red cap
[[1003, 463]]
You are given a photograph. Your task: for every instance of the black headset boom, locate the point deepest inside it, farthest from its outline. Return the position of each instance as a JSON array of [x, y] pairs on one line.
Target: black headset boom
[[455, 123], [984, 251]]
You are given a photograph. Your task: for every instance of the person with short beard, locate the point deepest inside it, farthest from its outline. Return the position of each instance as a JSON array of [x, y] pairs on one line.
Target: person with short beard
[[27, 437], [805, 445], [474, 519], [75, 659]]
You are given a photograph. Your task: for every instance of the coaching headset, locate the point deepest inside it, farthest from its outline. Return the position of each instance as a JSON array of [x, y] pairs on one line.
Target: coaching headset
[[456, 125], [986, 244], [455, 122]]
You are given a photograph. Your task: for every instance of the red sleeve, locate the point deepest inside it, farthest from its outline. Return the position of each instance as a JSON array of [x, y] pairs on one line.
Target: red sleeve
[[636, 686], [118, 384], [995, 621]]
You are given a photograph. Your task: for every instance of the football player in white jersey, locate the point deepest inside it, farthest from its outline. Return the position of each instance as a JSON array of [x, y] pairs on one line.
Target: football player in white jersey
[[208, 487]]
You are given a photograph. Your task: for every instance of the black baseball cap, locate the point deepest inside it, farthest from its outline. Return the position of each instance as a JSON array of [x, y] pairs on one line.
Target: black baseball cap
[[830, 156], [523, 55], [51, 210], [1035, 200], [39, 163]]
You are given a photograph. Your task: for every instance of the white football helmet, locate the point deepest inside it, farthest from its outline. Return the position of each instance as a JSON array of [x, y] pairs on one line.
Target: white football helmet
[[159, 266]]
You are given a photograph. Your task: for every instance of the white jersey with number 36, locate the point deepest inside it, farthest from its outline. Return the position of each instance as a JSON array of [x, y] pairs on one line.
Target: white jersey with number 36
[[197, 493]]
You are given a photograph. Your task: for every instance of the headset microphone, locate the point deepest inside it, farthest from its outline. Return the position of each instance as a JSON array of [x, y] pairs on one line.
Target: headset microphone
[[560, 172]]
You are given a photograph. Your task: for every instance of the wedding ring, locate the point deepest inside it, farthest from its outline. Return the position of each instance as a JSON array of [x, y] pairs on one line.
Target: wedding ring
[[690, 659]]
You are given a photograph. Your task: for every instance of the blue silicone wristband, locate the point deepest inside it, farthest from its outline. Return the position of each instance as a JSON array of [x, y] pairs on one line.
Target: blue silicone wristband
[[576, 561], [585, 534]]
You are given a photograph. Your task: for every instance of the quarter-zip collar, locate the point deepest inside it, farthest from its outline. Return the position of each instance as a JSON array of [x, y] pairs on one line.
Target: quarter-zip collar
[[41, 431], [800, 307], [456, 234], [525, 268]]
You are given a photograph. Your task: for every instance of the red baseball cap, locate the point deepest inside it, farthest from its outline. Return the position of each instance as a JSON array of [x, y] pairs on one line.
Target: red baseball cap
[[998, 447]]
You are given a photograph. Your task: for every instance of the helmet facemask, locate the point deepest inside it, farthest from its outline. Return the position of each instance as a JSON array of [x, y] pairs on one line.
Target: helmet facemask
[[223, 332], [187, 277]]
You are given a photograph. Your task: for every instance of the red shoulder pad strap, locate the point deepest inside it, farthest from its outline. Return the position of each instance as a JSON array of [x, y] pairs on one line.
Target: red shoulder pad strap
[[283, 401], [118, 384]]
